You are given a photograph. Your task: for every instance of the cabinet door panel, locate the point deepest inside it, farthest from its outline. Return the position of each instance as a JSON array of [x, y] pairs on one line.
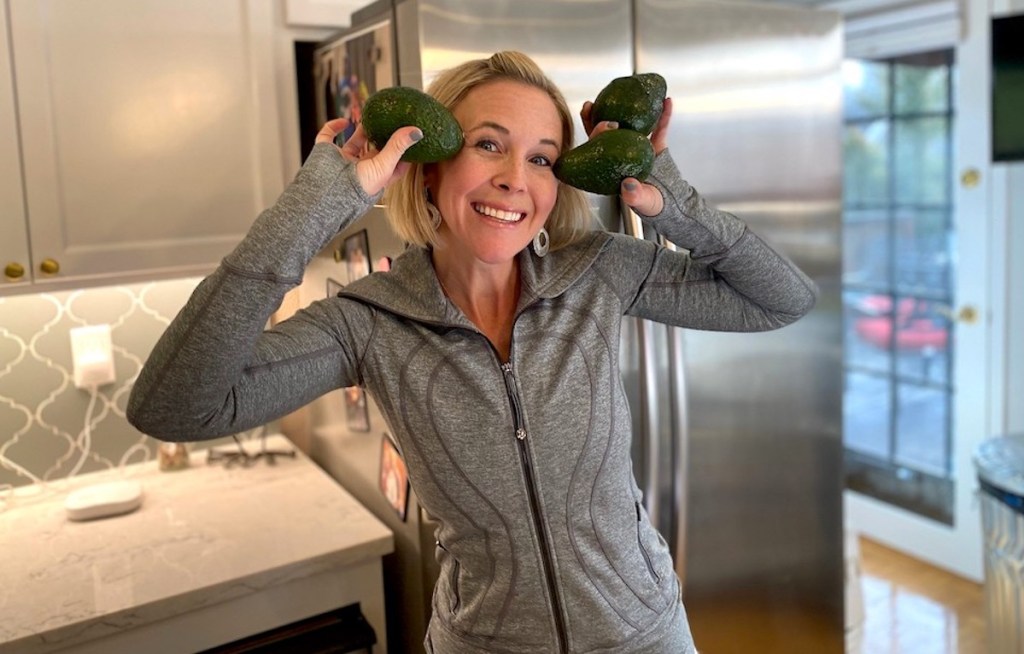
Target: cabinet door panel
[[149, 129], [13, 230]]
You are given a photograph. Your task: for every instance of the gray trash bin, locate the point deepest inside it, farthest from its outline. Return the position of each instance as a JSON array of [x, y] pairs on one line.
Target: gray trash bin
[[1000, 466]]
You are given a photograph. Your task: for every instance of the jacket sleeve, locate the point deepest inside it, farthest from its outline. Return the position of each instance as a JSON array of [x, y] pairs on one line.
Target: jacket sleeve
[[727, 279], [215, 370]]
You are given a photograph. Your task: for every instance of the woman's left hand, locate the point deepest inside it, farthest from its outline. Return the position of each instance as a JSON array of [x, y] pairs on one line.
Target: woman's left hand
[[645, 199]]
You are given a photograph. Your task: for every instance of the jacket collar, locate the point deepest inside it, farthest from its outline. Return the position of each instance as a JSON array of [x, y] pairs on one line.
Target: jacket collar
[[411, 288]]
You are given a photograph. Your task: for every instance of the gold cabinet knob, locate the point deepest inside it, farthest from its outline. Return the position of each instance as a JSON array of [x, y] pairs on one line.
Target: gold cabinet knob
[[49, 267], [14, 271], [970, 178], [967, 314]]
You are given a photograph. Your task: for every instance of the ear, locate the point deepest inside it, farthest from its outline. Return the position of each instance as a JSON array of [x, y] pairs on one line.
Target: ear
[[430, 180]]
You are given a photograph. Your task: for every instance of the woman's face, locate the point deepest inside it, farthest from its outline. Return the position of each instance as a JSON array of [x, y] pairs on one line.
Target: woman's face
[[498, 191]]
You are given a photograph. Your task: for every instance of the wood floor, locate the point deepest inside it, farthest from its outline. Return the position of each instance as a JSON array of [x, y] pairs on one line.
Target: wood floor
[[911, 607]]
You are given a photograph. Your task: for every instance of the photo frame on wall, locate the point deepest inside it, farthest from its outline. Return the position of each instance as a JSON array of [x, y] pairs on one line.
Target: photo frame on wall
[[357, 413], [356, 251], [394, 477]]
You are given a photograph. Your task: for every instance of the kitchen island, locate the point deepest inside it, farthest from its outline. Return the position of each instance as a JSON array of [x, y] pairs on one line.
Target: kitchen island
[[214, 554]]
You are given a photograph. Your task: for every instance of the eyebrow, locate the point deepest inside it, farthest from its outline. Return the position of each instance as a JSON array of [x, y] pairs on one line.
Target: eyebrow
[[504, 130]]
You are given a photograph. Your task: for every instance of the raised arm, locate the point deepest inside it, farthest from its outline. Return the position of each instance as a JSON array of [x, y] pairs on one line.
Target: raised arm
[[215, 371]]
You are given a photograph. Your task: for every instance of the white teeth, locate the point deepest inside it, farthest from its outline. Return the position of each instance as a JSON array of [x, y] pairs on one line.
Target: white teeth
[[505, 216]]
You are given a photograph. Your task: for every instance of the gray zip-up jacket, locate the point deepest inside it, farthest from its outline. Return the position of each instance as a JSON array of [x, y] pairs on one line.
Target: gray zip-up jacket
[[544, 544]]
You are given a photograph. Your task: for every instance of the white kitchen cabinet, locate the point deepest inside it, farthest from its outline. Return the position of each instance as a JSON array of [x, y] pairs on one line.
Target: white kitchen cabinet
[[14, 258], [321, 13], [149, 135]]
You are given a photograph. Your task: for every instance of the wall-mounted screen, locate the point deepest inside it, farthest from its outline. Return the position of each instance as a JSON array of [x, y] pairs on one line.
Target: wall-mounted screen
[[1008, 88]]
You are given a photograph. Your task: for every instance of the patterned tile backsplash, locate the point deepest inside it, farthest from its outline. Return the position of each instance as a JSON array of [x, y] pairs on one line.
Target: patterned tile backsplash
[[42, 414]]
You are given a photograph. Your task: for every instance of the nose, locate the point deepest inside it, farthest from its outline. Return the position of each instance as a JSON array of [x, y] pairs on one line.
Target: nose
[[511, 176]]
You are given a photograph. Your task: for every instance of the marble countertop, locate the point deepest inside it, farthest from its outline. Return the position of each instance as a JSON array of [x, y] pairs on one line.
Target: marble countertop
[[203, 536]]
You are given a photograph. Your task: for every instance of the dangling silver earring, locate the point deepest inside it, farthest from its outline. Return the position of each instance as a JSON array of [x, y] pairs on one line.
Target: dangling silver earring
[[435, 215], [541, 242]]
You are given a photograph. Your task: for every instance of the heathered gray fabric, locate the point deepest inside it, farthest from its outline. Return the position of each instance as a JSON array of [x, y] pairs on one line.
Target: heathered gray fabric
[[455, 410]]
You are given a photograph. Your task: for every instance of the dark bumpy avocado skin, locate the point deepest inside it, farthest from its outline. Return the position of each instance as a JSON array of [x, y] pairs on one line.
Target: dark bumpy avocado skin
[[399, 106], [600, 164], [634, 102]]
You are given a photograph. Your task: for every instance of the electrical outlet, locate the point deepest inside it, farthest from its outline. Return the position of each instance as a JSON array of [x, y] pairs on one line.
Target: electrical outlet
[[92, 356]]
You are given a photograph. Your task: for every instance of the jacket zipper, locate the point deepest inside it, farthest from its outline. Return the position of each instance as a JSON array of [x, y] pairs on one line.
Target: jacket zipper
[[535, 510]]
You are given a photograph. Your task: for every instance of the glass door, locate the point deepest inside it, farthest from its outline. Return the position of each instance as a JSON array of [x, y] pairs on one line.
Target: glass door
[[899, 280], [919, 243]]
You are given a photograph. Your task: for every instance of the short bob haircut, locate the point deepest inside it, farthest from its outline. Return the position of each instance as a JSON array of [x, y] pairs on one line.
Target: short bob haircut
[[406, 202]]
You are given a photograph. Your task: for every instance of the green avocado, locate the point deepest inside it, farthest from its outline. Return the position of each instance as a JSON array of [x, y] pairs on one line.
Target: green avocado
[[634, 102], [599, 165], [400, 106]]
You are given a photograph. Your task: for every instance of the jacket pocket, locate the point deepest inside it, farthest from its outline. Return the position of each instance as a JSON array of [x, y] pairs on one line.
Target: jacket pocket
[[453, 579], [640, 543]]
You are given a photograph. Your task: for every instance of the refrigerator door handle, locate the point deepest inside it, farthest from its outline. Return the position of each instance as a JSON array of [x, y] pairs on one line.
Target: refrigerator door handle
[[680, 439], [680, 447], [648, 375], [651, 427]]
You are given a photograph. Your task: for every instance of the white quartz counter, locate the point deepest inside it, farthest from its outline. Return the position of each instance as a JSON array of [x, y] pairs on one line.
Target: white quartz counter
[[213, 554]]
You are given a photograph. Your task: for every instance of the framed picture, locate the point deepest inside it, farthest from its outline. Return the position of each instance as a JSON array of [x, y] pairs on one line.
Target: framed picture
[[357, 256], [333, 287], [394, 477], [357, 414]]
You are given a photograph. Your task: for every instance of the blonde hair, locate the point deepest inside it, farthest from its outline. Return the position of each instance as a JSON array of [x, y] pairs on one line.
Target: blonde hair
[[406, 199]]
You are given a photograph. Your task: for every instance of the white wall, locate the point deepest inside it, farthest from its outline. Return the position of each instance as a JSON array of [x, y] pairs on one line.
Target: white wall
[[1007, 206]]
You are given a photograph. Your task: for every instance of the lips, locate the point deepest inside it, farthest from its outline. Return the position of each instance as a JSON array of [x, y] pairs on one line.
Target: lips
[[499, 214]]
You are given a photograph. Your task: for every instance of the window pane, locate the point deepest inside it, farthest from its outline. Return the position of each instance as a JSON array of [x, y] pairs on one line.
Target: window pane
[[921, 161], [922, 343], [865, 163], [866, 414], [921, 88], [923, 245], [865, 88], [866, 254], [867, 320], [921, 431]]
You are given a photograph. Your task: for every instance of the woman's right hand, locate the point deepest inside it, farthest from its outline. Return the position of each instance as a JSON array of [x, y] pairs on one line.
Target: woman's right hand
[[645, 199], [374, 168]]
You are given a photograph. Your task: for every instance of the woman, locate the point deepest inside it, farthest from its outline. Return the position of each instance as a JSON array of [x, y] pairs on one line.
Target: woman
[[491, 348]]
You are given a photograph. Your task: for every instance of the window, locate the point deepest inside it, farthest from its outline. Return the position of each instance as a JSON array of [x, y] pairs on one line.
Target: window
[[898, 277]]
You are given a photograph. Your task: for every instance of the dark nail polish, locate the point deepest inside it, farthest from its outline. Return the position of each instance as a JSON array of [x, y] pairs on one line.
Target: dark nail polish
[[417, 135]]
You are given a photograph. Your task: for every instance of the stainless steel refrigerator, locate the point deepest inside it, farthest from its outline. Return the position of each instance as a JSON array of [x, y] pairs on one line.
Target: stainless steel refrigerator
[[737, 436]]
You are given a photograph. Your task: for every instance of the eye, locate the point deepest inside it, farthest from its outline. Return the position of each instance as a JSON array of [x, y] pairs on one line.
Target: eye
[[541, 160], [487, 144]]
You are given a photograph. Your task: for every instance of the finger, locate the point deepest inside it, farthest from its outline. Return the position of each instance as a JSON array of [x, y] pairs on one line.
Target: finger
[[588, 106], [604, 126], [377, 171], [645, 199], [357, 146], [400, 141], [331, 129], [659, 137]]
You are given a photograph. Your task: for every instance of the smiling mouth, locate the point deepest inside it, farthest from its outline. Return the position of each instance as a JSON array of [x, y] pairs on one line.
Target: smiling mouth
[[499, 214]]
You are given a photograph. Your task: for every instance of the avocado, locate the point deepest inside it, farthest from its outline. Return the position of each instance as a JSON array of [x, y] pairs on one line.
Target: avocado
[[399, 106], [600, 164], [634, 102]]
